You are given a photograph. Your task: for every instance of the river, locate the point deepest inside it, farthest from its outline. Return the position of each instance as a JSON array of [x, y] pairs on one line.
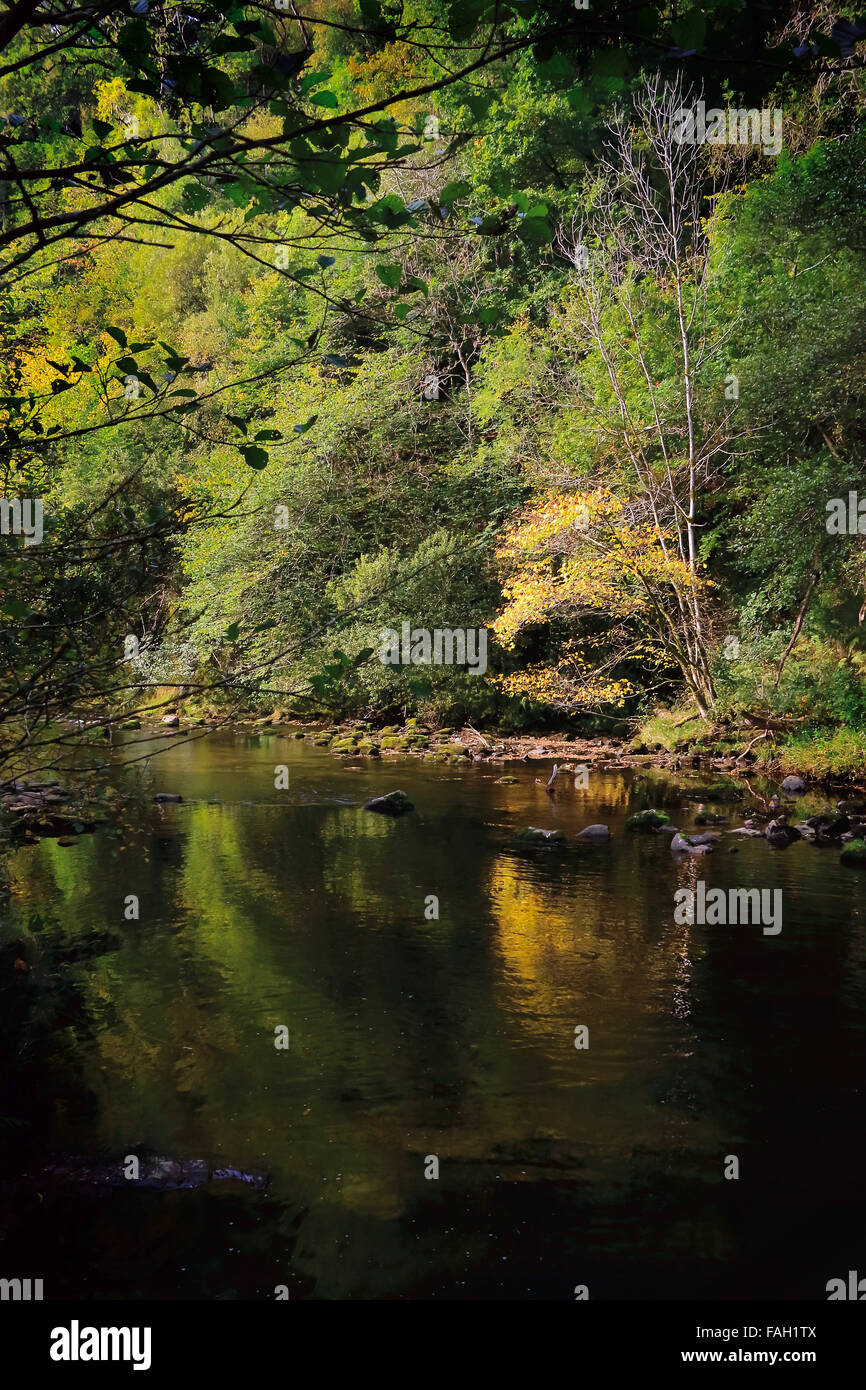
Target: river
[[422, 1030]]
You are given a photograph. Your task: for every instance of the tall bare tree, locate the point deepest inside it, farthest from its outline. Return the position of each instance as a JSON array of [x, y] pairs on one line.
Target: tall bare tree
[[643, 232]]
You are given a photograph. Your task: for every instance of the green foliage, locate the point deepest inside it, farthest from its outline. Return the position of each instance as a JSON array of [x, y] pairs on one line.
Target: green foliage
[[287, 483]]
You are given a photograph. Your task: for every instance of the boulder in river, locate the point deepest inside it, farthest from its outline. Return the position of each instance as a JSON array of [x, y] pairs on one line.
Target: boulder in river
[[682, 844], [393, 804], [170, 720], [854, 854], [168, 796], [530, 835], [647, 820], [793, 785], [826, 828], [594, 832], [780, 834]]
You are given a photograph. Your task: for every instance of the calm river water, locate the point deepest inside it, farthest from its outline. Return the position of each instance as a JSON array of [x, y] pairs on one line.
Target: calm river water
[[413, 1037]]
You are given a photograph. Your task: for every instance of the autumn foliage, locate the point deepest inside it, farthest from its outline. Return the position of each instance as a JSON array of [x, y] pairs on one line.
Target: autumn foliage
[[592, 563]]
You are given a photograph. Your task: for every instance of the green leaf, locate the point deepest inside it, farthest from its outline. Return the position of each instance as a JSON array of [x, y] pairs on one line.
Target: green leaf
[[254, 456], [452, 191], [390, 275], [412, 282], [194, 197], [302, 429], [325, 99], [479, 103], [537, 231], [15, 608], [118, 335]]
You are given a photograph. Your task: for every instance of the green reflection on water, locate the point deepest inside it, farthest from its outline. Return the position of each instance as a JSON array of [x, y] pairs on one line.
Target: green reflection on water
[[412, 1037]]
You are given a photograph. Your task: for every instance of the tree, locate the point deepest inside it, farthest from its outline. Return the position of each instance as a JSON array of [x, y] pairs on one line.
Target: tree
[[650, 392], [588, 562]]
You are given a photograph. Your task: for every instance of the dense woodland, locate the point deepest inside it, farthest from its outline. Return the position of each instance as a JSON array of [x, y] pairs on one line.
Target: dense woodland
[[325, 316]]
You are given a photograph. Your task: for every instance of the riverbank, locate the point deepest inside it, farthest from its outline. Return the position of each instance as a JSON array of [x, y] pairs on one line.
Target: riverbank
[[835, 758]]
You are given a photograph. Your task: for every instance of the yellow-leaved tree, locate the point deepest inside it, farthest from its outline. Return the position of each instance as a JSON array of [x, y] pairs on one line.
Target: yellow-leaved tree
[[603, 569]]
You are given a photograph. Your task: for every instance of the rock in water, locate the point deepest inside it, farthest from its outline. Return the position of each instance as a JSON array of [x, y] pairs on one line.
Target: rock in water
[[780, 834], [854, 854], [168, 796], [530, 835], [594, 832], [394, 804], [647, 820], [681, 844], [794, 786], [171, 720], [155, 1174]]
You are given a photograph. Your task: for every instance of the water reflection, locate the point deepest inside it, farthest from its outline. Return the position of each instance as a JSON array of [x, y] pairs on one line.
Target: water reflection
[[413, 1037]]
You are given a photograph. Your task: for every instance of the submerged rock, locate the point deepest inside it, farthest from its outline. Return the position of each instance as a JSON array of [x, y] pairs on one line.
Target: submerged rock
[[168, 796], [530, 835], [159, 1174], [594, 832], [393, 804], [647, 820], [854, 854]]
